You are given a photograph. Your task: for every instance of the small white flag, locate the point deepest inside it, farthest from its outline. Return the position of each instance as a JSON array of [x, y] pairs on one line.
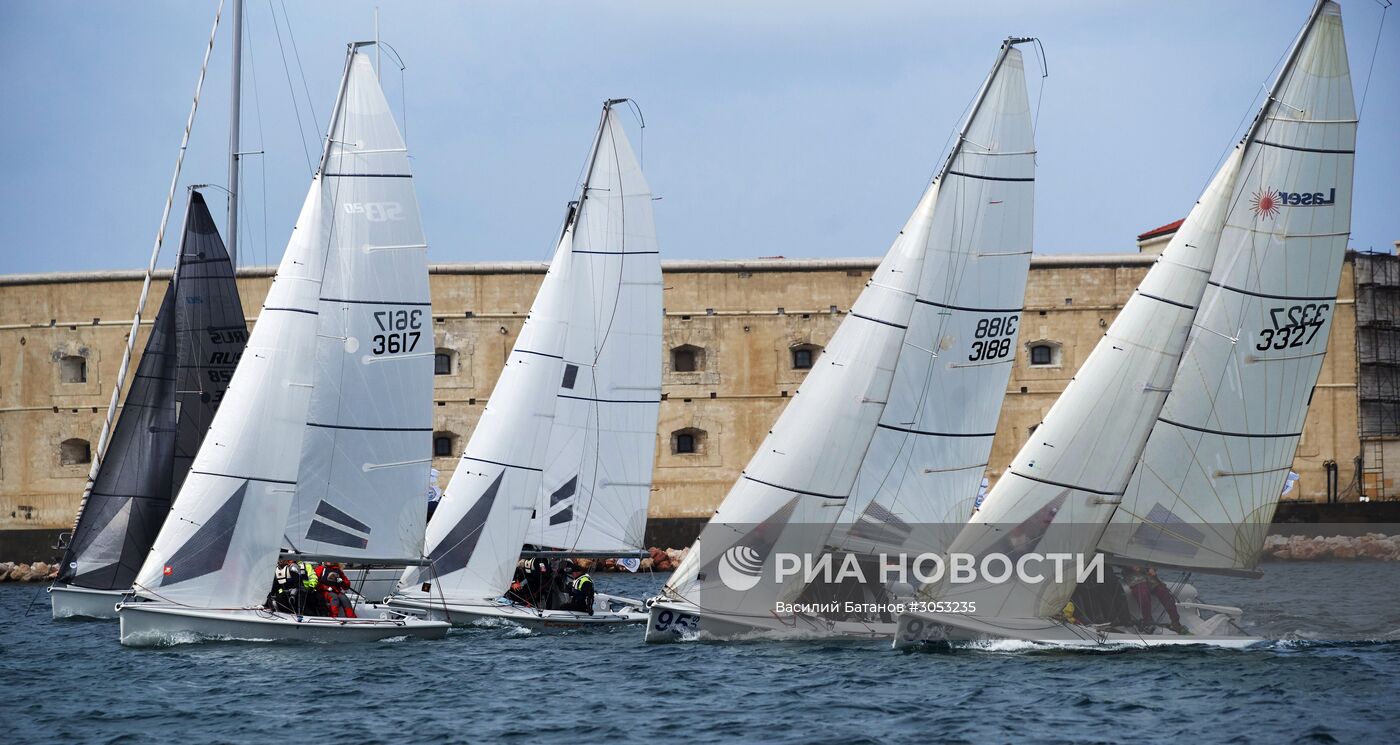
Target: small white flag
[[1289, 482], [631, 564]]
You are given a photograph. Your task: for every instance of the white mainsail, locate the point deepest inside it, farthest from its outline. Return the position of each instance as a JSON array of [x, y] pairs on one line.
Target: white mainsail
[[1068, 480], [368, 439], [922, 471], [801, 479], [597, 480], [1204, 492], [357, 239]]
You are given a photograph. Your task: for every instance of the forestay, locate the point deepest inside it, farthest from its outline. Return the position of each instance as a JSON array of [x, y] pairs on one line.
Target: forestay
[[1204, 492], [597, 479], [921, 474]]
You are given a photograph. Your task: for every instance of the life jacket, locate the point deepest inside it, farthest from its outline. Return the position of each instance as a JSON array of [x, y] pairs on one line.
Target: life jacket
[[581, 581], [311, 579]]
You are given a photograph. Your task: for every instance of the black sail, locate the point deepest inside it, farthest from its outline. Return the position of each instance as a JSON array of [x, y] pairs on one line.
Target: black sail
[[131, 495], [210, 332], [196, 340]]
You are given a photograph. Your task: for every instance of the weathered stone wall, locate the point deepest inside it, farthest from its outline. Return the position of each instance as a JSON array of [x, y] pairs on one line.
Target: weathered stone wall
[[744, 317]]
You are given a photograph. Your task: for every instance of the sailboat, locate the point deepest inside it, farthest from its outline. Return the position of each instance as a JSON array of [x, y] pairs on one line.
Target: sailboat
[[321, 444], [893, 426], [562, 457], [1171, 446], [196, 340]]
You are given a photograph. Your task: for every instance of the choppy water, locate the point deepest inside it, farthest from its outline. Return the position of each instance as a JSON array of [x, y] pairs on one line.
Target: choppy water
[[71, 682]]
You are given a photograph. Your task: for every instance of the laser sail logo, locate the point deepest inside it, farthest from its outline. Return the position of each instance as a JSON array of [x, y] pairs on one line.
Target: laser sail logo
[[1266, 202], [740, 568]]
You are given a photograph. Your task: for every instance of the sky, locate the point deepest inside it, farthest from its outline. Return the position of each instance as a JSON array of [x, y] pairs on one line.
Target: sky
[[800, 129]]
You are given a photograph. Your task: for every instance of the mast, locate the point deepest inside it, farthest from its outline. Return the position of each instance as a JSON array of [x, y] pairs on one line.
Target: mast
[[1283, 74], [234, 125], [350, 50], [1006, 46]]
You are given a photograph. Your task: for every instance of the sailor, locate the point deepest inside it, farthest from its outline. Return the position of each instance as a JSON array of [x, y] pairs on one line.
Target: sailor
[[312, 604], [333, 584], [286, 587], [1145, 585], [537, 582], [580, 589]]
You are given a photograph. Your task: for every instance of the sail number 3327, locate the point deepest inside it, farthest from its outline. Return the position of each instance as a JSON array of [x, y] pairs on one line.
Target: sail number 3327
[[992, 339], [400, 330], [1293, 326]]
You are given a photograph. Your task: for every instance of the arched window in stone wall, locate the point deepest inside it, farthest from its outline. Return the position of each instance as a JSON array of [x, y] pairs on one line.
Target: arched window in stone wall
[[442, 361], [1044, 353], [688, 441], [74, 451], [444, 444], [804, 356]]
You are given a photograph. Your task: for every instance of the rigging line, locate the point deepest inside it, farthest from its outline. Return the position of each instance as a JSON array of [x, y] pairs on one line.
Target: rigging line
[[262, 139], [296, 108], [310, 102], [1371, 67]]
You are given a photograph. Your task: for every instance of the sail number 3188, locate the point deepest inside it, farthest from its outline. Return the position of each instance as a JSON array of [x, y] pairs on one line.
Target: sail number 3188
[[992, 339], [401, 331]]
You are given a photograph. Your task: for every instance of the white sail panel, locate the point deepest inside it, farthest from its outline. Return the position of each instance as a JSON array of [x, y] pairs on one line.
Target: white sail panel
[[923, 469], [219, 545], [1211, 475], [806, 467], [476, 533], [365, 457], [1061, 488], [597, 481]]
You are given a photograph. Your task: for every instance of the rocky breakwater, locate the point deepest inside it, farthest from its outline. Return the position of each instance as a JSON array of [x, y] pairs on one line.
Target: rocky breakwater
[[659, 560], [37, 572], [1368, 547]]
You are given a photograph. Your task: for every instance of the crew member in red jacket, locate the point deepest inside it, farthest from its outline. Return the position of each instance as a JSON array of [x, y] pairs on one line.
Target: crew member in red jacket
[[332, 586]]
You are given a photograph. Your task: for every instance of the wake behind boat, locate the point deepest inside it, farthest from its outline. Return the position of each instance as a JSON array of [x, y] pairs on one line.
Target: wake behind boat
[[320, 447]]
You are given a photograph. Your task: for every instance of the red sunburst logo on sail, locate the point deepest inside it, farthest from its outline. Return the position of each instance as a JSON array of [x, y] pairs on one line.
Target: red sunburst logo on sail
[[1265, 203]]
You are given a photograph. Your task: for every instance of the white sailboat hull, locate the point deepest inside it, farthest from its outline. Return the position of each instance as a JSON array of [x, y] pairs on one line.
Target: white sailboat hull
[[617, 611], [673, 622], [149, 624], [966, 631], [70, 601]]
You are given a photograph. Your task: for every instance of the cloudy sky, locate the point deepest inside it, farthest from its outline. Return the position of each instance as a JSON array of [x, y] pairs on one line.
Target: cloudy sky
[[803, 129]]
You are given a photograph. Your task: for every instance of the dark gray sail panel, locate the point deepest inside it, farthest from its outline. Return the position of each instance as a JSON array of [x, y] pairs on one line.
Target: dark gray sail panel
[[210, 331], [132, 493], [455, 549], [206, 549]]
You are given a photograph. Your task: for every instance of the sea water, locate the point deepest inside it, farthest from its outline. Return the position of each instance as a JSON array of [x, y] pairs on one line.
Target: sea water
[[1332, 674]]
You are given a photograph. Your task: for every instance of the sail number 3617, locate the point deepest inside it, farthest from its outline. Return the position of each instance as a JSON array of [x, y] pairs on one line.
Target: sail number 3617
[[992, 339], [1294, 326], [401, 331]]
